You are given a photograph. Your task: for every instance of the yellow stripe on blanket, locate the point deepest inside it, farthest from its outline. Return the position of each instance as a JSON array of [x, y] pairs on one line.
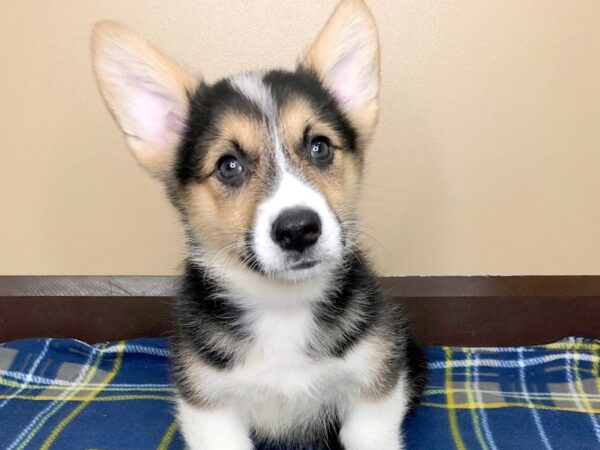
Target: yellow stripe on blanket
[[453, 420], [109, 377]]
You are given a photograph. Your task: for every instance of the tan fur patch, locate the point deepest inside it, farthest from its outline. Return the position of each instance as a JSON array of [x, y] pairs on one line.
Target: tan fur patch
[[220, 214]]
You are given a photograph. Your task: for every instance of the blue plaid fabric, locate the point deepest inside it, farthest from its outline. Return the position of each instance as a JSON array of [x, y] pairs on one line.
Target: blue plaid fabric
[[65, 394]]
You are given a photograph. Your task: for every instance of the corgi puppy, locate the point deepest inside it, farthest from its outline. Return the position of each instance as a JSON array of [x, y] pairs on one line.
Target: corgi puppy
[[283, 335]]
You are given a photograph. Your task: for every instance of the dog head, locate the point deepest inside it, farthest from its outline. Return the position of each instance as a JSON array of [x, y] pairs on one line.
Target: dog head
[[264, 167]]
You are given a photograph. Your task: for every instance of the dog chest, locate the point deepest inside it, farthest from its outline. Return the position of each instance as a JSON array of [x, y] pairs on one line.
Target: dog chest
[[276, 364]]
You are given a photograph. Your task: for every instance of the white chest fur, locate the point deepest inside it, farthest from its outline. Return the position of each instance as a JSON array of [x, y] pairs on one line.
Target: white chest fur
[[278, 385], [277, 360]]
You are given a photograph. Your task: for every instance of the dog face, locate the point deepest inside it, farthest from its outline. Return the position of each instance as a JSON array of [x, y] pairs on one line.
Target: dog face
[[264, 167]]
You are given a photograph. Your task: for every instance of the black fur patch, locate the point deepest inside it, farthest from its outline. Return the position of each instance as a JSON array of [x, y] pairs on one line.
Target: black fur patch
[[350, 310], [416, 364], [201, 310], [305, 84], [207, 104]]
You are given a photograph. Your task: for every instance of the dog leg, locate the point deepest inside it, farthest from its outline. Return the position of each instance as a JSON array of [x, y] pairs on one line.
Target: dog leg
[[374, 424], [213, 428]]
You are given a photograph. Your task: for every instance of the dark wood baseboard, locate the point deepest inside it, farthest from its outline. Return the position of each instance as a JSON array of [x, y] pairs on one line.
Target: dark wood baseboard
[[463, 311]]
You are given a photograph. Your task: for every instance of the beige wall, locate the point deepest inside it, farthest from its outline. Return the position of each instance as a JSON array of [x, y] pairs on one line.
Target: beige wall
[[486, 160]]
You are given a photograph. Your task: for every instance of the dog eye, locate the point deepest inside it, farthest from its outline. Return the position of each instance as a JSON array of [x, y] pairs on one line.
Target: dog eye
[[320, 150], [231, 170]]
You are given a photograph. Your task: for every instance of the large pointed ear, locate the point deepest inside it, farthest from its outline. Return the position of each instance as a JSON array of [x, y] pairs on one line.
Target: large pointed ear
[[345, 56], [146, 92]]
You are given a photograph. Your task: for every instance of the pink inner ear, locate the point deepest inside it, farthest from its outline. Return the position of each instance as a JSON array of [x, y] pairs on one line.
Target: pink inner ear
[[174, 122], [349, 83], [152, 114], [340, 76]]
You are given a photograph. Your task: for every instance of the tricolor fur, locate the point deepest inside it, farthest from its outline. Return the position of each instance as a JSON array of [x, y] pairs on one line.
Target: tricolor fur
[[283, 335]]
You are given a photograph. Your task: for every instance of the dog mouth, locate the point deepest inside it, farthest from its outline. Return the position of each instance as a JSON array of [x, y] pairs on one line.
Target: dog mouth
[[294, 264], [305, 264]]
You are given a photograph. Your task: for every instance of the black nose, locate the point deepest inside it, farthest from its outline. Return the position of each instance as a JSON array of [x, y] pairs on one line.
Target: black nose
[[296, 229]]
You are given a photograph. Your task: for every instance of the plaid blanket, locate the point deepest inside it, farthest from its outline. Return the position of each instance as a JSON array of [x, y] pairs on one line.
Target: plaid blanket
[[65, 394]]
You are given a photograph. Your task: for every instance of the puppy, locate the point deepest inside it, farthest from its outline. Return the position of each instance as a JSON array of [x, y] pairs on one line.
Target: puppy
[[283, 335]]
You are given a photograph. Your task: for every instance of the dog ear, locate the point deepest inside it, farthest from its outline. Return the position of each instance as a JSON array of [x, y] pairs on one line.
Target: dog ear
[[345, 56], [146, 92]]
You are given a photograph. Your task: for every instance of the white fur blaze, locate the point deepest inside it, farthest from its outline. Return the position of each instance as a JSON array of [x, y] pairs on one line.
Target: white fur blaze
[[291, 192]]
